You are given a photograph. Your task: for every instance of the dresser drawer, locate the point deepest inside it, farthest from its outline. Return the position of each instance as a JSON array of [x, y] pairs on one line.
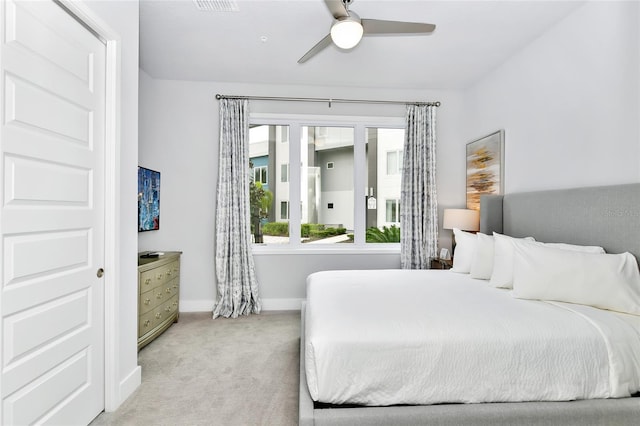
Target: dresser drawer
[[170, 306], [170, 288], [147, 322], [155, 297], [150, 320], [146, 281], [159, 276], [146, 302], [173, 270]]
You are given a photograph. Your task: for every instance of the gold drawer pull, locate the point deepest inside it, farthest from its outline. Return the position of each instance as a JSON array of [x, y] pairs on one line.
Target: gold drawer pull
[[167, 308], [147, 301], [159, 295], [158, 315], [169, 273], [175, 303], [147, 322], [147, 281], [168, 290], [160, 276]]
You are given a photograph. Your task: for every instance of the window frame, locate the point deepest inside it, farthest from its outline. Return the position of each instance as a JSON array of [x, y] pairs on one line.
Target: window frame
[[264, 170], [398, 162], [287, 205], [395, 208], [296, 122]]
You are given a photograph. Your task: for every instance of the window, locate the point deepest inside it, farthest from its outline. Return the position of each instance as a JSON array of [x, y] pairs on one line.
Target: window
[[394, 162], [260, 174], [393, 211], [384, 184], [284, 210], [269, 152], [340, 185], [328, 202]]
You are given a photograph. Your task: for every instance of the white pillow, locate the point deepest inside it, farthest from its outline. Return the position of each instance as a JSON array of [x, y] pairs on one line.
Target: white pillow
[[583, 249], [502, 275], [465, 249], [502, 272], [607, 281], [482, 262]]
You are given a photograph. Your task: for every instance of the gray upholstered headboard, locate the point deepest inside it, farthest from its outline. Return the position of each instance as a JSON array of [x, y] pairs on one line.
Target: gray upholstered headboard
[[607, 216]]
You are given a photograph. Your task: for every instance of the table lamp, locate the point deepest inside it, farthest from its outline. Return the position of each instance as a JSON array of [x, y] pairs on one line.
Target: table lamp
[[463, 219]]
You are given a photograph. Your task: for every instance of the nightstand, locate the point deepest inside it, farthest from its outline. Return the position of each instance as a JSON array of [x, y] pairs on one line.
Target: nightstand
[[437, 263]]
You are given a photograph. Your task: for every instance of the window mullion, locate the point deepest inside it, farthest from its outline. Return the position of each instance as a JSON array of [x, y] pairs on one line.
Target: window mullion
[[359, 184], [294, 184]]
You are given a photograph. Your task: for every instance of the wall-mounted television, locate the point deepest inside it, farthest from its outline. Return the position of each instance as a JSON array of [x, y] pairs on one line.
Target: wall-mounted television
[[148, 199]]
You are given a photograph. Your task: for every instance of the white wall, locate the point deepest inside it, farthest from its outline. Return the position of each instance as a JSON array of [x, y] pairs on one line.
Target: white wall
[[122, 17], [179, 138], [569, 103]]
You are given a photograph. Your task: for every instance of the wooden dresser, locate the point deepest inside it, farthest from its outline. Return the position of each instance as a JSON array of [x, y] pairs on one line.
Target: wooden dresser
[[158, 294]]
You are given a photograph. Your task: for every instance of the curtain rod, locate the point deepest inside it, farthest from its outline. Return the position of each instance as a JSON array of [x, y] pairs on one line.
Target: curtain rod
[[327, 100]]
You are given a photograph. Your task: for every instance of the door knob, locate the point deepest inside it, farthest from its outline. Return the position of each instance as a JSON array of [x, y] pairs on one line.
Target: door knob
[[100, 272]]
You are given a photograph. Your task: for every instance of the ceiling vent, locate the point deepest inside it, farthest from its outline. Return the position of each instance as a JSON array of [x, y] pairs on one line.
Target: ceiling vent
[[217, 5]]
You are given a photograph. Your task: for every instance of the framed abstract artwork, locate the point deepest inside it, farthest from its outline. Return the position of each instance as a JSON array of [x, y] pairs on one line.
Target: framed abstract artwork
[[485, 168], [148, 200]]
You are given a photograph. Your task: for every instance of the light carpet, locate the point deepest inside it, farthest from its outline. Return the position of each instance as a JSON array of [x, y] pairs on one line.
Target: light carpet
[[201, 371]]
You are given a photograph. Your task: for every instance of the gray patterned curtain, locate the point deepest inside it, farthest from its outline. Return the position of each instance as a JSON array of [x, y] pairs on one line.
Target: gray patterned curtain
[[237, 284], [418, 201]]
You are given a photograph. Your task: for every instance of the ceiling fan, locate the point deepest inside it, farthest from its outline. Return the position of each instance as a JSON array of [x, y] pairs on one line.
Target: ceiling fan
[[348, 28]]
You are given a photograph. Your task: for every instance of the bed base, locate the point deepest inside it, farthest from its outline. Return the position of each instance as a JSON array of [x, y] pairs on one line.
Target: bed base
[[609, 412]]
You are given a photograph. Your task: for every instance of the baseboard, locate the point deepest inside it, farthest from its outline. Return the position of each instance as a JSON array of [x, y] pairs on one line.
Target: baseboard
[[127, 386], [281, 304], [267, 305], [199, 305]]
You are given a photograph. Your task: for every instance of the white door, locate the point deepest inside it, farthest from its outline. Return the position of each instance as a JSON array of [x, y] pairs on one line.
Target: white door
[[52, 135]]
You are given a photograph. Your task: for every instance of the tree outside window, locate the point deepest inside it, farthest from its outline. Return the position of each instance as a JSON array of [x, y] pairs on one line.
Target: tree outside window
[[260, 200]]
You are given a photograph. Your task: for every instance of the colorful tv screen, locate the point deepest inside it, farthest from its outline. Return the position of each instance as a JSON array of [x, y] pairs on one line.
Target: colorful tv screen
[[148, 200]]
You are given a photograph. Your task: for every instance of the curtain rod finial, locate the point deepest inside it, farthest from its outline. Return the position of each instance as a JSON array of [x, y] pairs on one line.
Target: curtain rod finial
[[218, 96]]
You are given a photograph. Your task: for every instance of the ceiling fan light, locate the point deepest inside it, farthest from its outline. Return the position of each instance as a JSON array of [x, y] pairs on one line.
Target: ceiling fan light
[[346, 33]]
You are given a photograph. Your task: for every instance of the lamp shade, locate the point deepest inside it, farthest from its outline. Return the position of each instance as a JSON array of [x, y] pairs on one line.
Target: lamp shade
[[463, 219], [347, 32]]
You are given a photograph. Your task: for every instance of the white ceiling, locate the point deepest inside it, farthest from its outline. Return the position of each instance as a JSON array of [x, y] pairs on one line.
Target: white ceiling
[[179, 42]]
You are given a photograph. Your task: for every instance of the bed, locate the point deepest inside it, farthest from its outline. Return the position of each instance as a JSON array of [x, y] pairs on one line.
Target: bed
[[501, 386]]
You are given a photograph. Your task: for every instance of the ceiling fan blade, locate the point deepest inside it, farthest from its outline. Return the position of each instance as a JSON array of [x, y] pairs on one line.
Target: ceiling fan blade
[[376, 26], [322, 44], [337, 8]]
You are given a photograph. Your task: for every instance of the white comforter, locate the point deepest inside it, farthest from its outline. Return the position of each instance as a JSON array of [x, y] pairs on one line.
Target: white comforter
[[424, 337]]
